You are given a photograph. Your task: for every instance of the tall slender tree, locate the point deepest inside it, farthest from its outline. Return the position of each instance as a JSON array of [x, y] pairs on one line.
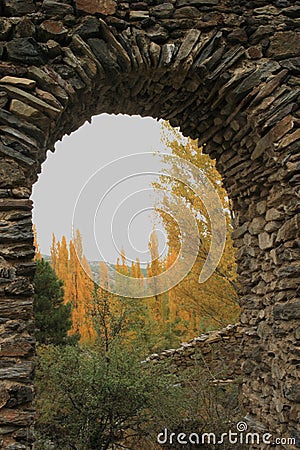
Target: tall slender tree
[[198, 307], [52, 316]]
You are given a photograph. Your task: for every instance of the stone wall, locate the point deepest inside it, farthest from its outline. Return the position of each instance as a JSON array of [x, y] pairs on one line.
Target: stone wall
[[217, 351], [226, 72]]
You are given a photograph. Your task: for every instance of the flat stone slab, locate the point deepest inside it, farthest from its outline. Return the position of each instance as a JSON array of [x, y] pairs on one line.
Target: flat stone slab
[[105, 7]]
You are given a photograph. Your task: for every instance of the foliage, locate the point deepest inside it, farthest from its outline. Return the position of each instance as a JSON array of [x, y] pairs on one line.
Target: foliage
[[187, 309], [89, 400], [52, 317], [72, 267], [193, 307]]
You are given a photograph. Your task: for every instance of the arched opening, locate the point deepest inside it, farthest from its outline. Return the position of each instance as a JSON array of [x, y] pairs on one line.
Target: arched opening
[[169, 318]]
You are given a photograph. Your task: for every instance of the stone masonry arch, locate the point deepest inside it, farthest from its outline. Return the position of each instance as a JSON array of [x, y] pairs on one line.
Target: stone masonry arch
[[226, 72]]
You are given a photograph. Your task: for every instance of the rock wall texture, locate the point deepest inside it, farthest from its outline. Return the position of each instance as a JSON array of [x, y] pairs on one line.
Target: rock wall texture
[[226, 72], [219, 351]]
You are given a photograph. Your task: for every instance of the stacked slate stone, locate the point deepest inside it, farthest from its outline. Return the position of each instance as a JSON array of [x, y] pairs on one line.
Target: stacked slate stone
[[216, 352], [226, 72]]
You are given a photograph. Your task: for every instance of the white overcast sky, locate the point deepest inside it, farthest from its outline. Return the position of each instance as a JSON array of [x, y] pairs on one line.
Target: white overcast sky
[[73, 178]]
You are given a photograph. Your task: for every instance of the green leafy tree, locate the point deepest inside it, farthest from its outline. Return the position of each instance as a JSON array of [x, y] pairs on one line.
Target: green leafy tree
[[52, 316]]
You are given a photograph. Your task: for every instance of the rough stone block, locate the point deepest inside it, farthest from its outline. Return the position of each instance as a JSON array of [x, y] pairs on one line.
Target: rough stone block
[[18, 82], [105, 7], [25, 50], [19, 7], [287, 311], [52, 29], [284, 44], [265, 240]]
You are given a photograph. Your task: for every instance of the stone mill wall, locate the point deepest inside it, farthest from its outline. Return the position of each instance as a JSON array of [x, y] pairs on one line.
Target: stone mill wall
[[226, 72], [219, 351]]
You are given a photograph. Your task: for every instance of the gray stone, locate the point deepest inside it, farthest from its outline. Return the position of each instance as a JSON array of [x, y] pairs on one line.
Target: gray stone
[[162, 11], [89, 28], [11, 174], [197, 2], [287, 311], [25, 28], [292, 392], [57, 8], [25, 50], [5, 28], [265, 240], [138, 15], [289, 230], [19, 7], [29, 113], [226, 74], [261, 207], [186, 12], [157, 34]]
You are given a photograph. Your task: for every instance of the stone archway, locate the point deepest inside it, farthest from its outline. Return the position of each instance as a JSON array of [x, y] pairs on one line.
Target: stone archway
[[226, 72]]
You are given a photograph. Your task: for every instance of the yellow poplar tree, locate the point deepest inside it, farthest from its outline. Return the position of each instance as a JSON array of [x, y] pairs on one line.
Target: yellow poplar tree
[[72, 267], [198, 307]]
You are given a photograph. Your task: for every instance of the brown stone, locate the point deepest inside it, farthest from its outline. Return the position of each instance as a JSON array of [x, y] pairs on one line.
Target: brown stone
[[265, 240], [11, 174], [52, 29], [287, 311], [186, 12], [30, 114], [4, 397], [137, 15], [31, 100], [254, 52], [279, 130], [11, 417], [257, 225], [289, 230], [5, 28], [18, 82], [274, 214], [48, 98], [224, 86], [289, 139], [105, 7], [284, 44]]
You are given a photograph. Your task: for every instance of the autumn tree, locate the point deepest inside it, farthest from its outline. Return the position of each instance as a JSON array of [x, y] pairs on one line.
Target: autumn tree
[[38, 255], [72, 267], [197, 307]]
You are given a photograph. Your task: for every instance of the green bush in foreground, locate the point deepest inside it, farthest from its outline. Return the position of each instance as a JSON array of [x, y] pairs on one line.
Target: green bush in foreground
[[90, 400], [87, 400]]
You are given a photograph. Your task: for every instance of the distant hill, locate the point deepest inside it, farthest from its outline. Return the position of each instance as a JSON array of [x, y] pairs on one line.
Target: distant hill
[[94, 265]]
